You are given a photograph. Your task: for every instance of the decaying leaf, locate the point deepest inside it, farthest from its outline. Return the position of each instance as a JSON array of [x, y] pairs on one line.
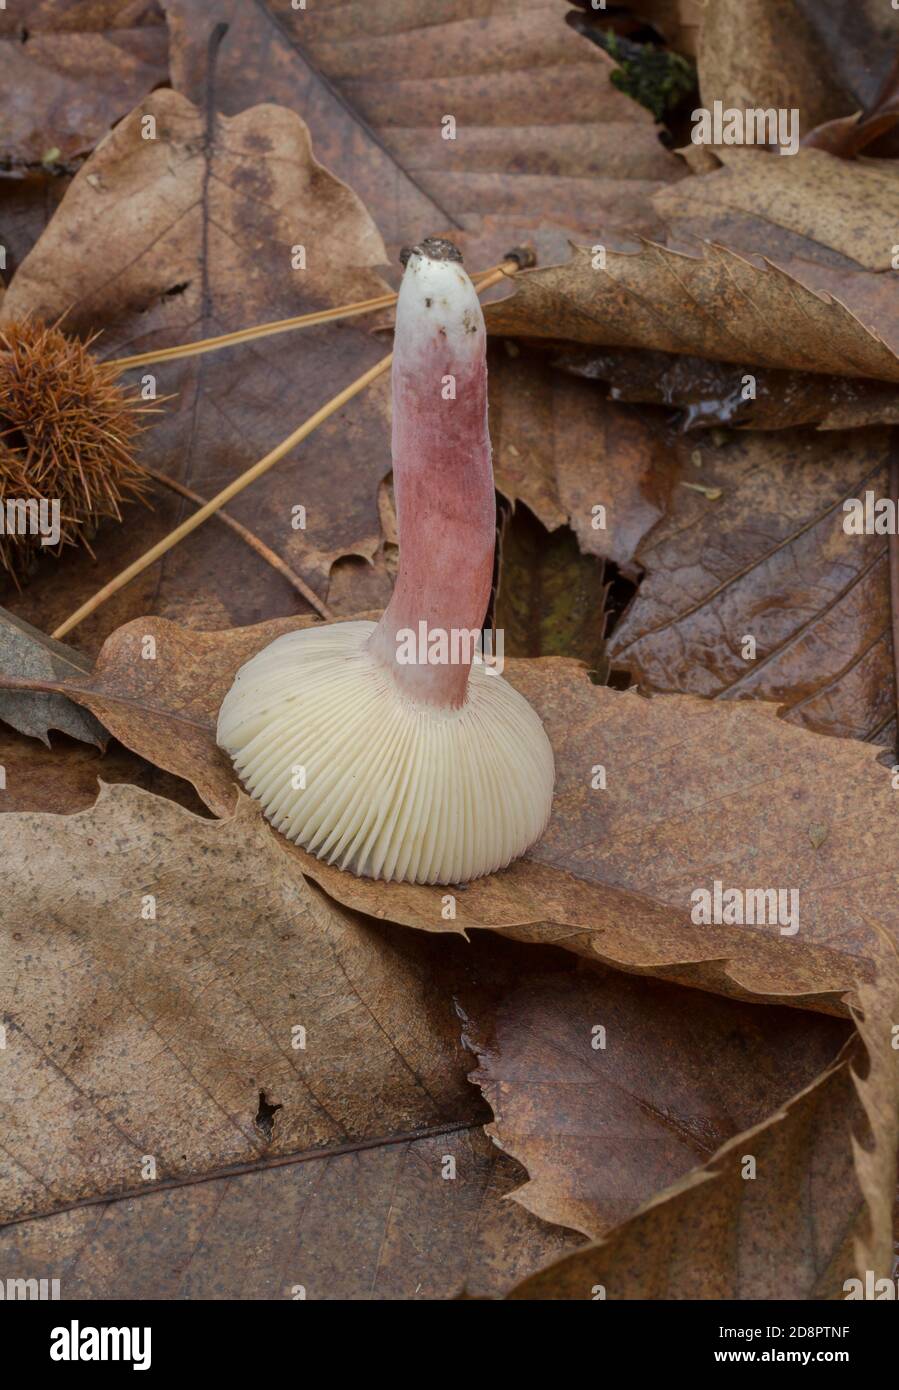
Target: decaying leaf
[[656, 800], [190, 1027], [544, 143], [379, 1222], [812, 205], [66, 776], [575, 458], [824, 222], [710, 302], [68, 77], [767, 596], [824, 60], [28, 653], [816, 1214], [179, 978], [609, 1089], [203, 229], [551, 599], [714, 394]]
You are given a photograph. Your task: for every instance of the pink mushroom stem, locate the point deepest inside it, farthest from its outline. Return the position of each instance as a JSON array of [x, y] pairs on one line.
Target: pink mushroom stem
[[443, 479]]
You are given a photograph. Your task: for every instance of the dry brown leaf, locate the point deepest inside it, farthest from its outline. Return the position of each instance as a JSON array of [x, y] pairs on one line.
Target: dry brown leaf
[[808, 206], [543, 139], [159, 1100], [153, 1001], [608, 1089], [770, 561], [167, 239], [825, 60], [68, 77], [695, 792], [66, 777], [367, 1223], [562, 449], [708, 303], [817, 1213], [806, 215]]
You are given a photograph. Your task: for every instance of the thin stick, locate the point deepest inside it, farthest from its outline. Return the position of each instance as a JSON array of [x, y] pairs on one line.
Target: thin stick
[[266, 330], [157, 551], [210, 508], [252, 540]]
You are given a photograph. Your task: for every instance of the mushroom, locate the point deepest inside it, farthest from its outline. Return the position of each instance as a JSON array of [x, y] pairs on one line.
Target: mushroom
[[388, 749]]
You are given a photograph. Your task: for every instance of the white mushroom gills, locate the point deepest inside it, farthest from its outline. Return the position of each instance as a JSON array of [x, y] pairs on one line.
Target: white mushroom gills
[[423, 771]]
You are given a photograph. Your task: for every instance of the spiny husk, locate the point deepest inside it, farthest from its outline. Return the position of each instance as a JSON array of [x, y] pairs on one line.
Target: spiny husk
[[67, 430]]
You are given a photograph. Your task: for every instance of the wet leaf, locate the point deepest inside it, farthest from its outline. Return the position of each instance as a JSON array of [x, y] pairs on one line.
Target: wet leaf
[[711, 394]]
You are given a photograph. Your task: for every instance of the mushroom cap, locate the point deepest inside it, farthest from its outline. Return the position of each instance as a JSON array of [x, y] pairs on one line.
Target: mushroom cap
[[394, 788]]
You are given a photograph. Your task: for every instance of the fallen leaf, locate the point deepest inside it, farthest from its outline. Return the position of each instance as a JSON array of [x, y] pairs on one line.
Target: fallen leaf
[[538, 122], [178, 977], [376, 1222], [715, 1234], [259, 61], [710, 303], [28, 653], [574, 458], [28, 200], [608, 1089], [550, 600], [811, 206], [826, 61], [70, 77], [66, 777], [808, 220], [711, 394], [695, 792], [771, 563], [198, 229]]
